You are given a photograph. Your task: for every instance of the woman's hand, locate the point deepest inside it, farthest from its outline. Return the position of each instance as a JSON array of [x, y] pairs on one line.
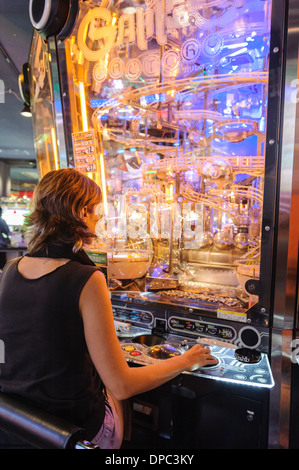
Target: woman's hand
[[198, 356], [121, 380]]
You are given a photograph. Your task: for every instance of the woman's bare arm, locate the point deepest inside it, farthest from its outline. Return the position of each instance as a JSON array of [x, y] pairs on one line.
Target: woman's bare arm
[[105, 351]]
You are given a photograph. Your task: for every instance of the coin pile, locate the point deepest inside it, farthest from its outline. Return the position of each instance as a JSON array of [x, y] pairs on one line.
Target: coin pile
[[207, 297]]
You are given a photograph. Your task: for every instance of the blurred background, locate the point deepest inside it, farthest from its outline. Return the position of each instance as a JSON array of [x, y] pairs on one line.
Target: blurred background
[[17, 156]]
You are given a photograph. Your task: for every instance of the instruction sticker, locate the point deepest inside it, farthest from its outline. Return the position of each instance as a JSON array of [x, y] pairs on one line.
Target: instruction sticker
[[84, 147], [229, 315]]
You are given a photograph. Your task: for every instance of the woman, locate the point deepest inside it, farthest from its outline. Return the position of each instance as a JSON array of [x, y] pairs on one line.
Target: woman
[[56, 321]]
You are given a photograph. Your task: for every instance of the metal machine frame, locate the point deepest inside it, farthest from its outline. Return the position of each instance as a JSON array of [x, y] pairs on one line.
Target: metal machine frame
[[284, 318]]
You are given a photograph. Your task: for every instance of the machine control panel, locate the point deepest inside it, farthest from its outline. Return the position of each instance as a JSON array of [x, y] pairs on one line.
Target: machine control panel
[[133, 315], [191, 325], [228, 368], [197, 327]]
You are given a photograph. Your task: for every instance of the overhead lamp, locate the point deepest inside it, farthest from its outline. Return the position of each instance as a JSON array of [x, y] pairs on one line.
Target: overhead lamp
[[24, 90], [26, 111]]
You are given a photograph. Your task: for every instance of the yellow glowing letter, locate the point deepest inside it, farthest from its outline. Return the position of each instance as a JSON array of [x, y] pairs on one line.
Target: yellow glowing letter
[[107, 33]]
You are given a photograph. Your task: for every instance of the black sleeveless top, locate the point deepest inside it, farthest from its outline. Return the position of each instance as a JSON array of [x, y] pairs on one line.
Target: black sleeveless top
[[46, 357]]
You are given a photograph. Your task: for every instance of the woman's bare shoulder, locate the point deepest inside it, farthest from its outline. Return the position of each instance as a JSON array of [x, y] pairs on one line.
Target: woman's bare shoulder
[[98, 278], [95, 290]]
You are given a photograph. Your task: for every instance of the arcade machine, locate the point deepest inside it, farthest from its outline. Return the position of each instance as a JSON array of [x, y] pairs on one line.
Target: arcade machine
[[184, 112]]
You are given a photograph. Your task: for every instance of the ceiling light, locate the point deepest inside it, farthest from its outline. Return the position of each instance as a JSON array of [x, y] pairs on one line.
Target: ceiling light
[[26, 111]]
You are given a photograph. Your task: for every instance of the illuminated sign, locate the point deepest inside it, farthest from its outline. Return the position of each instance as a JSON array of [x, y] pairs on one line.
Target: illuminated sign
[[164, 18], [131, 26], [95, 43]]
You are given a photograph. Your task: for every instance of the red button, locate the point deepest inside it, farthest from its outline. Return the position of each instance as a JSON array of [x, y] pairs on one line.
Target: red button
[[135, 353]]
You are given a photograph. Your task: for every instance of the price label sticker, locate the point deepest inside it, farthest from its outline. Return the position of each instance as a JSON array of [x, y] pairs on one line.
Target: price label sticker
[[84, 147]]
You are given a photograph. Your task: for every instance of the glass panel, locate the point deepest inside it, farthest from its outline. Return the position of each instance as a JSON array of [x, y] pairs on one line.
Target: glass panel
[[45, 141], [174, 96]]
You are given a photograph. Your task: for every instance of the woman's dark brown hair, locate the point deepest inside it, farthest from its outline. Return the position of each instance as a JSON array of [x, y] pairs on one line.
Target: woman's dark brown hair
[[57, 205]]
